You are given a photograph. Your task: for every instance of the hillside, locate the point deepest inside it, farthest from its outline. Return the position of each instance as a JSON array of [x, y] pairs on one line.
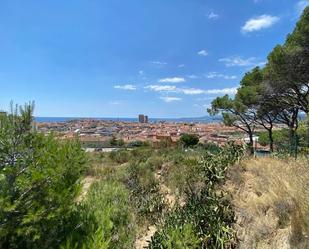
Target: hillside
[[271, 203]]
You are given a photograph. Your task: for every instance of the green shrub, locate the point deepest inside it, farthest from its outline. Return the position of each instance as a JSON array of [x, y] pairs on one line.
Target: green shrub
[[145, 194], [137, 143], [206, 215], [183, 237], [185, 176], [39, 179], [120, 156], [189, 140], [116, 142], [155, 162], [141, 154], [210, 147], [103, 220]]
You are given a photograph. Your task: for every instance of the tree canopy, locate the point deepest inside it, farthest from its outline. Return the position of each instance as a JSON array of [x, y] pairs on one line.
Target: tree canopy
[[277, 93]]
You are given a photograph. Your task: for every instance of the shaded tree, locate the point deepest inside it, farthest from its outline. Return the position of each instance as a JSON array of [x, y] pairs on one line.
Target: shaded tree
[[235, 114], [189, 140]]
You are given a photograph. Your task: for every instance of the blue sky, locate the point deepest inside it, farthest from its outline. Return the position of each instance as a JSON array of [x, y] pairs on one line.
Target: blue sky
[[116, 58]]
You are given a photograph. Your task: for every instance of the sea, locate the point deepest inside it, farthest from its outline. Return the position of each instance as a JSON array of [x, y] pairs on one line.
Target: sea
[[205, 119]]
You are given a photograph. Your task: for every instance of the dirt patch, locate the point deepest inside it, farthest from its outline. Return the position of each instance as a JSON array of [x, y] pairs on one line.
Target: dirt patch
[[170, 200], [169, 197], [143, 241], [86, 183]]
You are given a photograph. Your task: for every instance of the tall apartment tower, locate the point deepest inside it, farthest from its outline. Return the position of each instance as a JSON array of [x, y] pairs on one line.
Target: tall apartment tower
[[142, 118]]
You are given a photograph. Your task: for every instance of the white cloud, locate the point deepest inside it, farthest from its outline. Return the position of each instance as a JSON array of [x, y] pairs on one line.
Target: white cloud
[[231, 90], [126, 87], [193, 76], [159, 88], [260, 22], [190, 91], [141, 72], [172, 80], [168, 99], [202, 53], [301, 5], [237, 61], [158, 63], [181, 65], [174, 89], [215, 75], [213, 16]]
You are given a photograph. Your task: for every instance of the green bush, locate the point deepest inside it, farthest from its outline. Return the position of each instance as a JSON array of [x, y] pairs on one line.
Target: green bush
[[103, 220], [120, 156], [185, 176], [145, 194], [211, 147], [189, 140], [183, 237], [116, 142], [138, 143], [39, 179], [155, 162], [205, 221]]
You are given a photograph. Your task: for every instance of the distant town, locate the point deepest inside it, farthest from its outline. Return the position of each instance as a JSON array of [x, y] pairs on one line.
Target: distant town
[[98, 133]]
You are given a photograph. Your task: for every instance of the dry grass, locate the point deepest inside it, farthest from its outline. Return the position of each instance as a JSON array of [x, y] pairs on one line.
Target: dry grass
[[271, 199]]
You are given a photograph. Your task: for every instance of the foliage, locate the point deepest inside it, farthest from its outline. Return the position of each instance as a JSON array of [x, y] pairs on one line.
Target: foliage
[[277, 93], [39, 179], [116, 142], [189, 140], [93, 144], [144, 189], [103, 220], [137, 143], [281, 139], [205, 219], [211, 147], [120, 156], [185, 176], [236, 112], [303, 133], [183, 237]]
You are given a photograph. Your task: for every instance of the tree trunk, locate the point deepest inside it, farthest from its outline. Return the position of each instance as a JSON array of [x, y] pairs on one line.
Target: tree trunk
[[251, 144], [271, 140], [293, 142]]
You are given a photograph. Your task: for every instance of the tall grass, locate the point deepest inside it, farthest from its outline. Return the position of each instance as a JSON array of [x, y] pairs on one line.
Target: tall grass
[[271, 196], [103, 220]]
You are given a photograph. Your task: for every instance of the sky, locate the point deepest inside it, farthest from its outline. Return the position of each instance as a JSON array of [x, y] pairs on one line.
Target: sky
[[119, 58]]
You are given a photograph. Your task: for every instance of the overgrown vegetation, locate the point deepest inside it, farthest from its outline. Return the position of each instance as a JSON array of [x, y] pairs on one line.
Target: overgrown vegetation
[[204, 221], [176, 190], [39, 182], [189, 140], [103, 220]]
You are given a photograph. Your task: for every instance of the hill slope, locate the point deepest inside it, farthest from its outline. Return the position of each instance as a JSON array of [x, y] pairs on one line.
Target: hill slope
[[271, 201]]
